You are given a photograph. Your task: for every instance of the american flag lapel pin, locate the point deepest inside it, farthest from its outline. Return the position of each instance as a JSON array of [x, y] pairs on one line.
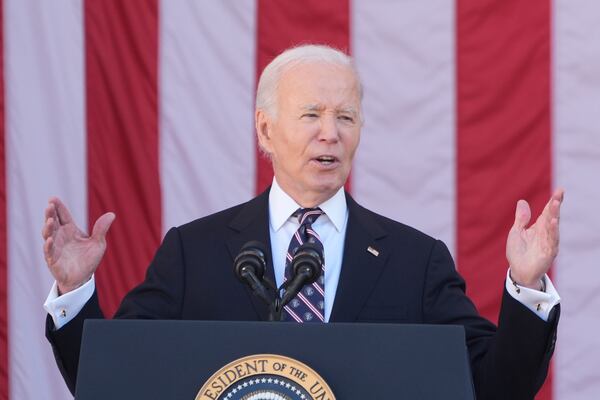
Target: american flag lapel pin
[[373, 251]]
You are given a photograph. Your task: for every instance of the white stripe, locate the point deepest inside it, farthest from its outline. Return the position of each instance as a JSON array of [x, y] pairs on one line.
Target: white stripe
[[577, 166], [315, 234], [293, 314], [207, 68], [45, 156], [404, 168], [298, 238], [318, 288], [308, 214], [309, 305]]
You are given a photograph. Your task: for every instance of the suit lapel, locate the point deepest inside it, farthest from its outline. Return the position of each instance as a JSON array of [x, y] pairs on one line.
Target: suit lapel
[[361, 267], [252, 223]]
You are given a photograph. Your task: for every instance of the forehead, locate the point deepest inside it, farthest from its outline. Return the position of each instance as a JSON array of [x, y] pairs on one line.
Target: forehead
[[319, 84]]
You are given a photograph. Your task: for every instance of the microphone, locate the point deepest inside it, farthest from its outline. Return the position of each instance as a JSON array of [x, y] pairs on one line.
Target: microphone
[[249, 267], [306, 269]]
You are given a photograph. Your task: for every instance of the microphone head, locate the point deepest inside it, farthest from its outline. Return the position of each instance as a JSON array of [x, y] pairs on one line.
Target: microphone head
[[250, 258], [308, 260]]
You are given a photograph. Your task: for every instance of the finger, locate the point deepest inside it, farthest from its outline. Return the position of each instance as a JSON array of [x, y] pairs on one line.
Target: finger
[[49, 228], [555, 209], [546, 225], [553, 237], [50, 211], [554, 229], [522, 214], [557, 198], [49, 250], [559, 194], [64, 216], [552, 208], [102, 225]]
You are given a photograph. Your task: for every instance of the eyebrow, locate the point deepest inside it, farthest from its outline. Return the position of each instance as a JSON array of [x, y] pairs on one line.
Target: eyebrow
[[312, 107], [349, 110], [318, 107]]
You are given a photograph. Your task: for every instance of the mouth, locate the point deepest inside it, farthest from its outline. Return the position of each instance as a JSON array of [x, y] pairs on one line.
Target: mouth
[[326, 160]]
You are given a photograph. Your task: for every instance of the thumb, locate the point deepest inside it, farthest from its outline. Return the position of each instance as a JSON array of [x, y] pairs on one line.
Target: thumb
[[522, 215], [101, 226]]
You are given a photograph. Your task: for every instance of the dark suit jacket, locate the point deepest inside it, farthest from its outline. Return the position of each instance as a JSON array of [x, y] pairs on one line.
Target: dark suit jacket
[[413, 280]]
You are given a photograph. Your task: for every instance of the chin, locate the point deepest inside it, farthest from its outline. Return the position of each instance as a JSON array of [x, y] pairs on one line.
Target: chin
[[329, 185]]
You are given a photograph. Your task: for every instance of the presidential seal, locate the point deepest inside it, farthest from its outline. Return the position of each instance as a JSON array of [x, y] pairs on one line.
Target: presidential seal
[[265, 377]]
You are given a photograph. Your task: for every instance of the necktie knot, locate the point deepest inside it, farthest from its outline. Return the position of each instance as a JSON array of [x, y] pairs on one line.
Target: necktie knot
[[307, 216]]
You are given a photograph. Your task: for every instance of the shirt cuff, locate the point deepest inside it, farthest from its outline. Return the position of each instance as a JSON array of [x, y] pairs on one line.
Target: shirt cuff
[[541, 303], [64, 308]]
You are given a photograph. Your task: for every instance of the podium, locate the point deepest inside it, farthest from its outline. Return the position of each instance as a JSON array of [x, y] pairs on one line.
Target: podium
[[143, 359]]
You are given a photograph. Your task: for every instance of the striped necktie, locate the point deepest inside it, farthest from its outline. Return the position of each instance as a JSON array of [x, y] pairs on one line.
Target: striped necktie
[[309, 303]]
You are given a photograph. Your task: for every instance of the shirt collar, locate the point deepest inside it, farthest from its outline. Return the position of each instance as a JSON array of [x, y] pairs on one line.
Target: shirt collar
[[282, 206]]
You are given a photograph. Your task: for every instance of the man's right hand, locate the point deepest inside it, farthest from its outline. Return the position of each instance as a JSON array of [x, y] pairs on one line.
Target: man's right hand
[[72, 256]]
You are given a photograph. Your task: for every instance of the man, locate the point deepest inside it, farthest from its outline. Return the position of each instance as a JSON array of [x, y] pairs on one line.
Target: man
[[308, 122]]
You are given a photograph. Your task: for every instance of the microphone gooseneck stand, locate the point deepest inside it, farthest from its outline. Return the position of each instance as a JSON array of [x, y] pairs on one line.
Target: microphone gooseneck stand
[[250, 265]]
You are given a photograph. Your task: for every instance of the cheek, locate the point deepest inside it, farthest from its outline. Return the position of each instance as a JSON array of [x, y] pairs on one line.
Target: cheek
[[351, 142], [296, 149], [288, 154]]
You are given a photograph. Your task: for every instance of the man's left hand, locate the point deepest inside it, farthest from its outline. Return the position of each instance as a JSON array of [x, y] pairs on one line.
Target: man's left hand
[[531, 251]]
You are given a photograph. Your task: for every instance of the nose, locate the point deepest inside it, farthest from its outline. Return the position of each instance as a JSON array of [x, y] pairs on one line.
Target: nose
[[329, 131]]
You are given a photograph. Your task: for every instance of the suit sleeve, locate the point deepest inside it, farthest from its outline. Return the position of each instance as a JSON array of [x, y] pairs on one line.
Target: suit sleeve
[[66, 341], [159, 296], [508, 362]]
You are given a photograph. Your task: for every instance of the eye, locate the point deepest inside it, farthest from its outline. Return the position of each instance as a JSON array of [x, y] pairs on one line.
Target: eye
[[346, 118], [310, 115]]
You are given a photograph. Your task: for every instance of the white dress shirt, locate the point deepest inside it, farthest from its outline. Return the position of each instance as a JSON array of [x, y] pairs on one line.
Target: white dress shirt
[[331, 228]]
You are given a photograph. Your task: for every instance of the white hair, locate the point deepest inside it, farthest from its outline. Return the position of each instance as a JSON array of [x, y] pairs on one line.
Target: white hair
[[266, 92]]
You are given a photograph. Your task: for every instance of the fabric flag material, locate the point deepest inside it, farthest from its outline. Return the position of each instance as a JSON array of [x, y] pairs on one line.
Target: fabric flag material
[[146, 108]]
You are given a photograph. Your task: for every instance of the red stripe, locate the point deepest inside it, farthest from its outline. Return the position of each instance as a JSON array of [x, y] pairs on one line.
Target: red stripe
[[122, 123], [503, 142], [283, 24], [3, 243]]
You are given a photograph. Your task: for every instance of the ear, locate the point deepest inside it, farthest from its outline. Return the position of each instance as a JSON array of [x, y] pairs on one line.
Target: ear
[[263, 130]]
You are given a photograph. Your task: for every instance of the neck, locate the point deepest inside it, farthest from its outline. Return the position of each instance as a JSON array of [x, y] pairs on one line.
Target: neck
[[307, 199]]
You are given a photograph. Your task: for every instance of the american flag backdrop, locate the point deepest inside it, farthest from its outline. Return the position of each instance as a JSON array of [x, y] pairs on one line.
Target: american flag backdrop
[[145, 108]]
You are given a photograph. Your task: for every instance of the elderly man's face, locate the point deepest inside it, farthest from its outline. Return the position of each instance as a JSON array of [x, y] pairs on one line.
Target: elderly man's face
[[314, 136]]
